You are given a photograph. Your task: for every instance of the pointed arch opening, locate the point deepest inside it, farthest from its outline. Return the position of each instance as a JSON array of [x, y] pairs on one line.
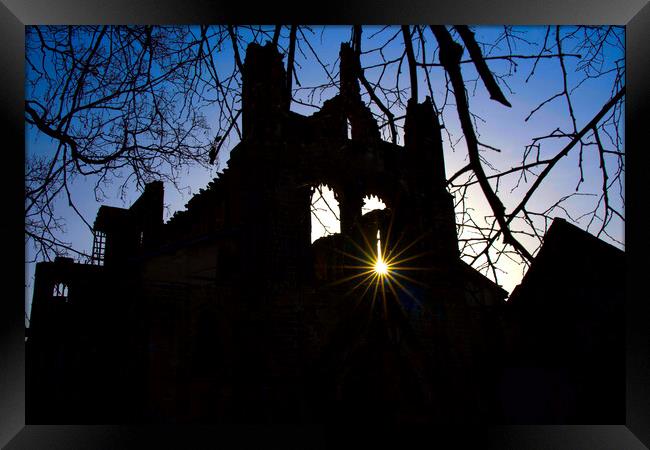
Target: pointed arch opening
[[325, 213]]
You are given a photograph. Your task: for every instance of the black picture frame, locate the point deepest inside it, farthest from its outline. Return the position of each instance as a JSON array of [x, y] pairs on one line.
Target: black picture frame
[[15, 14]]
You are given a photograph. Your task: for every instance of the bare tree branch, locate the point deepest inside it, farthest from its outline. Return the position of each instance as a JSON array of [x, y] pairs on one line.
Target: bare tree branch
[[477, 57], [450, 53]]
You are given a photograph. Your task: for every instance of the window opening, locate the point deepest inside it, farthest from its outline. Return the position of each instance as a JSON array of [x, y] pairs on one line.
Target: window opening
[[370, 203], [99, 248], [60, 290], [325, 213]]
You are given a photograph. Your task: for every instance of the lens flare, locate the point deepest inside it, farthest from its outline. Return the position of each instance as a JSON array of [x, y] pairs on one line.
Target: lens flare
[[381, 268]]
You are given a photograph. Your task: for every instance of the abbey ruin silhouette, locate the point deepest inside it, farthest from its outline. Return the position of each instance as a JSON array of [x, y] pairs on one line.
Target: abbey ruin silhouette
[[228, 313]]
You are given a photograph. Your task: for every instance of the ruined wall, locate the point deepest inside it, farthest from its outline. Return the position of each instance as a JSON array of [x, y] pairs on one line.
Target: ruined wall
[[305, 333], [228, 319]]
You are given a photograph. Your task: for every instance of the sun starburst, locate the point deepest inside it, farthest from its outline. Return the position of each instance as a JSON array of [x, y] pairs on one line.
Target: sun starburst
[[381, 268], [382, 271]]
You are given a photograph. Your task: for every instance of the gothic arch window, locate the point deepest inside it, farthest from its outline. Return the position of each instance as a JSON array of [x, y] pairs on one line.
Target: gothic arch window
[[325, 213]]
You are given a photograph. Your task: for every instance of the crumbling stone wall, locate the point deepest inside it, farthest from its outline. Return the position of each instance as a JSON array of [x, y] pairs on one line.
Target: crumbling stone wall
[[296, 346]]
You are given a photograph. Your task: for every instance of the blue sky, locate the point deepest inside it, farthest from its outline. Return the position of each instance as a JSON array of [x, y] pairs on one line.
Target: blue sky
[[500, 127]]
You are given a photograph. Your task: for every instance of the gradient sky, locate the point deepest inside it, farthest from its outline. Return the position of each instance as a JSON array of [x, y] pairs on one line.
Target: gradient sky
[[501, 127]]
